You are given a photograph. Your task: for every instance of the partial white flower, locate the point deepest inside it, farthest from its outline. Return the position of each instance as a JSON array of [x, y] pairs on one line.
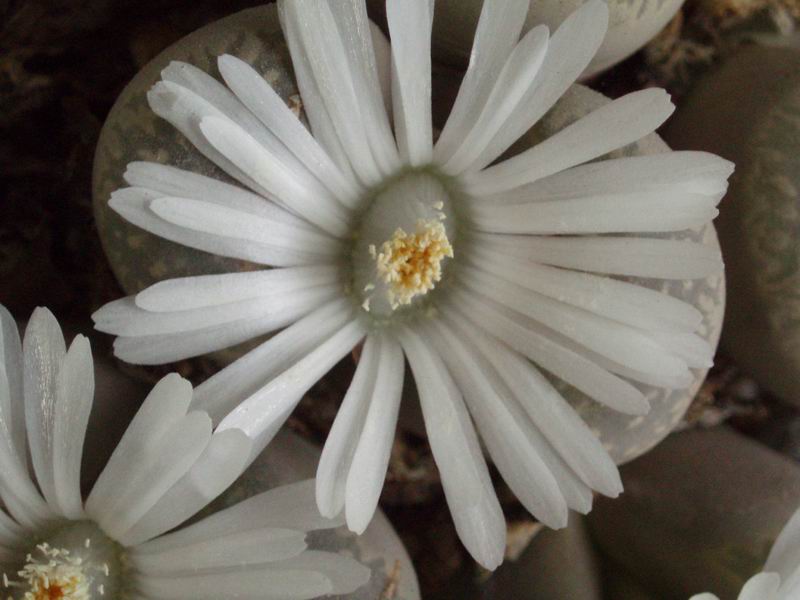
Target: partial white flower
[[168, 466], [780, 579], [479, 272]]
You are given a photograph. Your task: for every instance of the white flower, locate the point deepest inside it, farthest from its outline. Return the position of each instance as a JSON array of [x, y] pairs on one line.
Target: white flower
[[167, 467], [473, 271], [780, 579]]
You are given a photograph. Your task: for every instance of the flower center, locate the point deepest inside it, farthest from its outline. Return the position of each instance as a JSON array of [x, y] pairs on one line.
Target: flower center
[[77, 562], [401, 247]]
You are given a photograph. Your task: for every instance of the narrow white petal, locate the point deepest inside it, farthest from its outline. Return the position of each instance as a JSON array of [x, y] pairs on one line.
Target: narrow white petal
[[269, 107], [617, 124], [371, 458], [173, 182], [215, 219], [558, 421], [410, 23], [295, 190], [184, 110], [704, 596], [784, 557], [163, 463], [340, 447], [355, 30], [689, 347], [133, 204], [344, 573], [576, 493], [252, 547], [696, 172], [473, 503], [188, 293], [12, 402], [517, 77], [339, 86], [322, 125], [164, 406], [628, 256], [618, 300], [170, 347], [286, 507], [526, 337], [124, 317], [503, 433], [499, 29], [225, 390], [20, 496], [74, 396], [221, 463], [263, 413], [763, 586], [44, 350], [571, 49], [642, 212], [626, 345]]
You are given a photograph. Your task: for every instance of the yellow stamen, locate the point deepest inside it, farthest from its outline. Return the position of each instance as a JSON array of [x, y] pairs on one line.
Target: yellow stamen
[[411, 264], [55, 576]]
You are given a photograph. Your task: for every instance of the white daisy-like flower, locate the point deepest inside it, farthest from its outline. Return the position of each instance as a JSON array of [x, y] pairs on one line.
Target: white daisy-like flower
[[480, 274], [168, 465], [780, 579]]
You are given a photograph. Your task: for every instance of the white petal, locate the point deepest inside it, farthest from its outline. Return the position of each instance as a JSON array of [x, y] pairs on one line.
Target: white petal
[[501, 429], [340, 447], [164, 406], [322, 46], [184, 109], [19, 494], [345, 574], [155, 471], [294, 190], [371, 458], [612, 126], [784, 558], [618, 300], [133, 204], [626, 345], [558, 421], [473, 503], [526, 338], [630, 256], [571, 48], [689, 347], [763, 586], [499, 29], [517, 77], [74, 397], [12, 402], [697, 172], [44, 350], [226, 389], [170, 181], [286, 507], [222, 462], [410, 23], [251, 547], [642, 212], [356, 34], [262, 414], [187, 293], [577, 494], [322, 125], [12, 535], [704, 596], [170, 347], [269, 107]]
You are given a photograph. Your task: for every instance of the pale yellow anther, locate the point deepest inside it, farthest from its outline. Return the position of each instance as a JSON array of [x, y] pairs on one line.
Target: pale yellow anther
[[411, 263], [54, 575]]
